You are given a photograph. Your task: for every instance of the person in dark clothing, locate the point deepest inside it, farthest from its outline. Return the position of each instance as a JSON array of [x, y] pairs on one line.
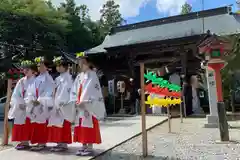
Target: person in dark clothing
[[138, 101], [133, 94]]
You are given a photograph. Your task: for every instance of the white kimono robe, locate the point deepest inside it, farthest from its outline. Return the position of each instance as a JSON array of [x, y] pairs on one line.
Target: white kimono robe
[[41, 90], [19, 93], [62, 110], [91, 97]]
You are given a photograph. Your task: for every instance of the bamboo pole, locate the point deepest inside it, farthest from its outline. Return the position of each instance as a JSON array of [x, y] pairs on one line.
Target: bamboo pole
[[143, 113], [6, 109]]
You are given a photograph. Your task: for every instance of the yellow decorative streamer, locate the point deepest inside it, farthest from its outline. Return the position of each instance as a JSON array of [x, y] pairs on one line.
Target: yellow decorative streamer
[[162, 102]]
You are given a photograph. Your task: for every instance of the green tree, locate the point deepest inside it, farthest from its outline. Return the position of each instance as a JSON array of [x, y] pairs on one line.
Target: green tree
[[186, 8], [82, 32], [232, 64], [110, 16], [32, 24], [84, 13]]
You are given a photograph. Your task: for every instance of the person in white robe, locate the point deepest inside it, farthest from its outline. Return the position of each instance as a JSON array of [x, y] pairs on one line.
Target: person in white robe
[[21, 131], [40, 104], [195, 98], [87, 96], [59, 126]]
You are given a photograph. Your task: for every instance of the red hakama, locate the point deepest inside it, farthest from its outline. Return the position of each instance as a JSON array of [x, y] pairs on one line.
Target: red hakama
[[87, 135], [22, 132], [60, 134], [39, 133]]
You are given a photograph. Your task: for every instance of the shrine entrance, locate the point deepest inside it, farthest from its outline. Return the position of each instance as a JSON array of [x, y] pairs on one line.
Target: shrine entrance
[[163, 47]]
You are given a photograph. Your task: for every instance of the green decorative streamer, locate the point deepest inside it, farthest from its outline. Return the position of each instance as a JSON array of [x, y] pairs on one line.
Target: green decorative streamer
[[150, 76]]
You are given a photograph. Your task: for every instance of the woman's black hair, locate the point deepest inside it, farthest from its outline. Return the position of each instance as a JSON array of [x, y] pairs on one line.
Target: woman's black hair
[[46, 63], [65, 64], [89, 62], [33, 67]]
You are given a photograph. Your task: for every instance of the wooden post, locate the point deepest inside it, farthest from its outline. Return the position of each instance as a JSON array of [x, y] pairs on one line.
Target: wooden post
[[169, 119], [181, 111], [223, 124], [6, 109], [143, 112]]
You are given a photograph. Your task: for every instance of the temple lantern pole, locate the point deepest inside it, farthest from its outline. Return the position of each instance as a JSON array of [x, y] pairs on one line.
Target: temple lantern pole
[[213, 48]]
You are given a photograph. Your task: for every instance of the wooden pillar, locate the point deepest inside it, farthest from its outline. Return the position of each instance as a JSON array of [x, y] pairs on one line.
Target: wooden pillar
[[131, 66], [143, 112], [183, 76], [6, 109]]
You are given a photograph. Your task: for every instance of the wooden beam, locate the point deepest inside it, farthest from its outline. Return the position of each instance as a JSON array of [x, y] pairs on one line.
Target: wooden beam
[[164, 60], [154, 50], [143, 113], [167, 43]]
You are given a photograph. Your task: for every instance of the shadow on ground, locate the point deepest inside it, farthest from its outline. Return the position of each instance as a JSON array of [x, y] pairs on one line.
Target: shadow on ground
[[124, 156]]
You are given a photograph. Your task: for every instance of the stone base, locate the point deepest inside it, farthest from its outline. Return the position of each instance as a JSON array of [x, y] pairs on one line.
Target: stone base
[[212, 122], [122, 111]]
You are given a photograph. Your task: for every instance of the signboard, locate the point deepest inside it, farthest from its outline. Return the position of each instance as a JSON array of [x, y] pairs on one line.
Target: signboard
[[212, 91], [111, 90]]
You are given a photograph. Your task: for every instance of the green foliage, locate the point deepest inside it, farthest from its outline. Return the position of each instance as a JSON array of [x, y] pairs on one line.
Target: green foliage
[[233, 60], [43, 29], [32, 24], [186, 8], [110, 16], [82, 32]]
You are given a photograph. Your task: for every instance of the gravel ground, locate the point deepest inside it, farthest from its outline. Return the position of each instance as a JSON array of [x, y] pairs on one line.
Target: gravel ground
[[188, 141], [5, 147]]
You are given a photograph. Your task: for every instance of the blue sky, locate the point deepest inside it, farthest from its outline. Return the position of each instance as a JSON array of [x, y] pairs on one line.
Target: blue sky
[[149, 11], [143, 10]]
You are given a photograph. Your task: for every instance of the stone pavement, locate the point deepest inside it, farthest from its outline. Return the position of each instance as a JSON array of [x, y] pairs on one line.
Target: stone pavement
[[114, 131], [188, 141]]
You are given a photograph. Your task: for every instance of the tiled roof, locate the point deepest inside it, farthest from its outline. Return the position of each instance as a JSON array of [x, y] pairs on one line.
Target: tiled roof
[[223, 23]]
